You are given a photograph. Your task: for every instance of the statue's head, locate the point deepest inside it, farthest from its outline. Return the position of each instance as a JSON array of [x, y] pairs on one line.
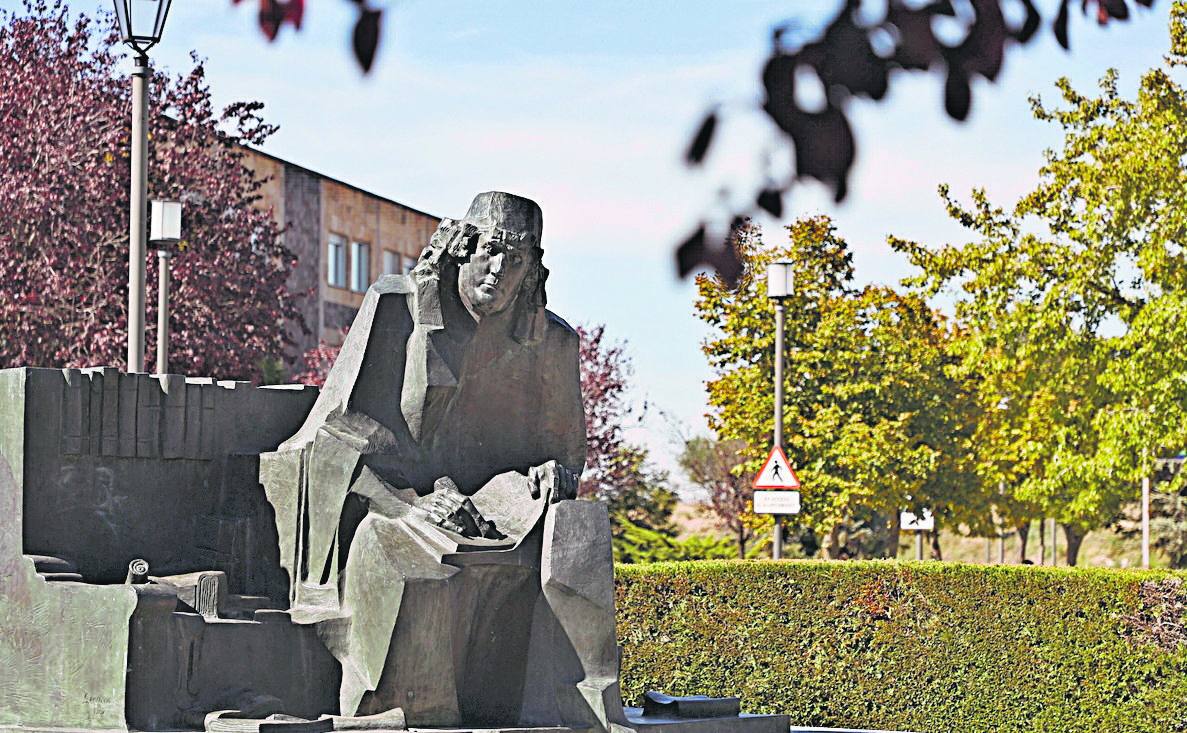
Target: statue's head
[[496, 255]]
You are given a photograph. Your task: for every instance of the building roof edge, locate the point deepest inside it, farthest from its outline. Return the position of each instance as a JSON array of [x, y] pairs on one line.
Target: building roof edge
[[339, 181]]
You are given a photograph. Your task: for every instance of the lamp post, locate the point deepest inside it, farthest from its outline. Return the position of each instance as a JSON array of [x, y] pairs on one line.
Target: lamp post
[[779, 288], [141, 23], [166, 231]]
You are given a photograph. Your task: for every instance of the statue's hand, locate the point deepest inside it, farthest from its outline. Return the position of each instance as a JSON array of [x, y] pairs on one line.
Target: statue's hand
[[556, 480], [450, 509]]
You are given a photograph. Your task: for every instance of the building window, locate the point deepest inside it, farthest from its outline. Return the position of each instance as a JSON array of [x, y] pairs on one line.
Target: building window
[[409, 263], [360, 267], [336, 261], [391, 263]]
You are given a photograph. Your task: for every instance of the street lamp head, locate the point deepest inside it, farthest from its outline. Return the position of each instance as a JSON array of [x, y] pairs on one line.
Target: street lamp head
[[141, 22], [165, 227], [780, 280]]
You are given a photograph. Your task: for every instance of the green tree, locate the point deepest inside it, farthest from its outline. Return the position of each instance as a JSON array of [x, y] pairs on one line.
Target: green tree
[[1073, 302], [875, 422]]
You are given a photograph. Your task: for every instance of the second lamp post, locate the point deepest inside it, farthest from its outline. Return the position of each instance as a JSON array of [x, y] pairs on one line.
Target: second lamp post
[[779, 288]]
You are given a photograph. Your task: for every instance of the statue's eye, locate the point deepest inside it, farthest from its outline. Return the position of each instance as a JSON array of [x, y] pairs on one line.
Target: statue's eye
[[517, 260]]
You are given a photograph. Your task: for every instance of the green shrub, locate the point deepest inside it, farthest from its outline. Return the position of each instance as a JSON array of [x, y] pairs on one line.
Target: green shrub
[[636, 544], [913, 646]]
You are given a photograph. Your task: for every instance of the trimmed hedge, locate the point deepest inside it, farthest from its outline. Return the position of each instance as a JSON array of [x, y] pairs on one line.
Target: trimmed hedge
[[913, 646]]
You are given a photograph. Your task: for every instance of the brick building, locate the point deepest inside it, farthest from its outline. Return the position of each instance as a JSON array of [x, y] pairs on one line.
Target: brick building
[[344, 239]]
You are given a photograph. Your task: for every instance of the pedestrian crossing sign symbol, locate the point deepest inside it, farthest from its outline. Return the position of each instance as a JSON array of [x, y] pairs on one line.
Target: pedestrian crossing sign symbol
[[776, 473]]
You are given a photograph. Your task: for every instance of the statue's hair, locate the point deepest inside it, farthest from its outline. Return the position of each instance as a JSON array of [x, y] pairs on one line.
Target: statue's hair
[[455, 242]]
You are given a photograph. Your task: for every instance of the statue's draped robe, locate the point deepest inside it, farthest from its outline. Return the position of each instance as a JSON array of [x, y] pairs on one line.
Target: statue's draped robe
[[419, 391]]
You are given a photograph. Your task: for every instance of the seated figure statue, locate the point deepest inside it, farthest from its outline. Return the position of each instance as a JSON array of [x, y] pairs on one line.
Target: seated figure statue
[[425, 509], [440, 574]]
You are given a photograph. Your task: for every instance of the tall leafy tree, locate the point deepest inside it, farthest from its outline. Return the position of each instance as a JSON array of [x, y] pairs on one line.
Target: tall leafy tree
[[64, 175], [1074, 301], [875, 422]]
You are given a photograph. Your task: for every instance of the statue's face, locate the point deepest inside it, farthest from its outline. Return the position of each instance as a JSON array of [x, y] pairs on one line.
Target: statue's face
[[489, 281]]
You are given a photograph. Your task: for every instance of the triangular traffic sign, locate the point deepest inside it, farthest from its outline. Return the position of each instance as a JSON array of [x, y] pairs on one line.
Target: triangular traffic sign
[[776, 473]]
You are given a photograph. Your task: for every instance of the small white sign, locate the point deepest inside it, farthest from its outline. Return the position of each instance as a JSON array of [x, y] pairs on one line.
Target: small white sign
[[776, 473], [778, 501], [908, 522]]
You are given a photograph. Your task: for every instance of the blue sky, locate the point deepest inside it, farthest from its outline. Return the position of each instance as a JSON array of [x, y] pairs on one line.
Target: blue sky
[[587, 106]]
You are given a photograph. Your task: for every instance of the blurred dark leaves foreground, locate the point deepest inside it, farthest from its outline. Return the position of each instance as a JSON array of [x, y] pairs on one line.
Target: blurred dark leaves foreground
[[274, 14], [852, 56]]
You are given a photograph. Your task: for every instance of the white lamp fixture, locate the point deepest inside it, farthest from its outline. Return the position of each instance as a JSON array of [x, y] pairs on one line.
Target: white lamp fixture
[[165, 220], [141, 22], [780, 280]]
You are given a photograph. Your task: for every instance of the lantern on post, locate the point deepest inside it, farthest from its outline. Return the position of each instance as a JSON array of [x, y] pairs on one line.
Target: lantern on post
[[141, 22]]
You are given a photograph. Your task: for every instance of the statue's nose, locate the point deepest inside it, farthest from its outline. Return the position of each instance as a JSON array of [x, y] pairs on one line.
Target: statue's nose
[[496, 263]]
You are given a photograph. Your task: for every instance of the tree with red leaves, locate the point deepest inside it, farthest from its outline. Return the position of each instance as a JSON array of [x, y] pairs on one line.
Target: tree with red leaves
[[64, 175], [604, 371], [318, 361], [617, 473]]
